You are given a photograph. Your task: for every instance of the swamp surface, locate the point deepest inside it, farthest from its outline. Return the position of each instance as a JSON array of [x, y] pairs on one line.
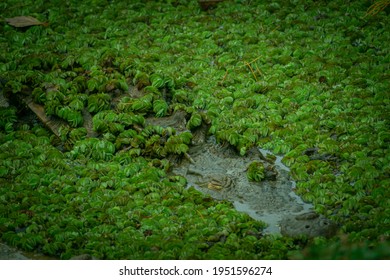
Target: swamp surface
[[166, 130]]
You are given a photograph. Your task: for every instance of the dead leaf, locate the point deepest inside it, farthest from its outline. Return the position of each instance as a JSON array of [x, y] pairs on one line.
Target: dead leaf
[[24, 21]]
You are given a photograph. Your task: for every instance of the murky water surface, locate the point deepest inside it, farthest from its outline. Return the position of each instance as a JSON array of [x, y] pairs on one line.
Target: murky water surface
[[222, 173]]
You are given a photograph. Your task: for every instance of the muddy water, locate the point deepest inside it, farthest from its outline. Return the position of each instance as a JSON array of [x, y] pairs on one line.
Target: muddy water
[[222, 173]]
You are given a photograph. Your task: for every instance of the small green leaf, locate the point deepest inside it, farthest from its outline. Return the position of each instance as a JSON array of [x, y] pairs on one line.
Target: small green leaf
[[194, 121], [160, 107], [255, 171]]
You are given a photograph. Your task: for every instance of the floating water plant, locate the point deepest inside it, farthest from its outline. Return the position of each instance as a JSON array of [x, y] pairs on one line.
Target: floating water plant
[[322, 84], [377, 7], [256, 171]]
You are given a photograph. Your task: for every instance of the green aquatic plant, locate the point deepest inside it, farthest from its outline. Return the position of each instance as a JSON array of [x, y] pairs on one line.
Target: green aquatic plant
[[160, 107], [377, 7], [255, 171], [159, 81], [178, 144], [72, 116], [141, 79], [8, 118], [194, 121], [321, 83], [98, 102], [93, 148], [138, 105]]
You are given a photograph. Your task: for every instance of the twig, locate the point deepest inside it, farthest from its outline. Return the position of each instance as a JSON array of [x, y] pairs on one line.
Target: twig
[[274, 29], [258, 70], [250, 67], [377, 7], [224, 77], [187, 156], [257, 58]]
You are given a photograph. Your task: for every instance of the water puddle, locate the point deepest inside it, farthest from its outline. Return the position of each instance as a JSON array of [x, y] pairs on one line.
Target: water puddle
[[220, 172]]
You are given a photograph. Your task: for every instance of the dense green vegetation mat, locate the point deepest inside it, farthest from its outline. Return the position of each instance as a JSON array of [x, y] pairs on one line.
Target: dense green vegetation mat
[[288, 76]]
